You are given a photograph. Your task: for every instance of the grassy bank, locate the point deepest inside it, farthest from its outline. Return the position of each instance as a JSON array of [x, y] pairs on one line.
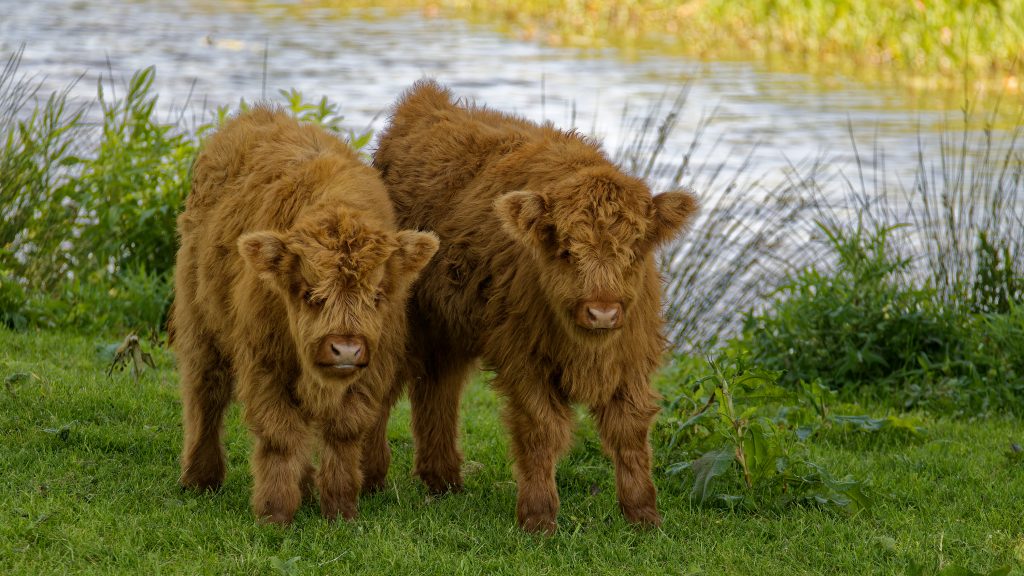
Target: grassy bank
[[90, 465], [924, 45]]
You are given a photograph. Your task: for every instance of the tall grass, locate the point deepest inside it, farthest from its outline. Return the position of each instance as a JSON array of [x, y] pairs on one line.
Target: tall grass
[[959, 223], [40, 142], [750, 235], [970, 211]]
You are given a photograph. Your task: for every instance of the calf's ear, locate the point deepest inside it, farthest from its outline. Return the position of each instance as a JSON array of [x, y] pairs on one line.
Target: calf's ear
[[523, 215], [265, 252], [673, 212], [415, 249]]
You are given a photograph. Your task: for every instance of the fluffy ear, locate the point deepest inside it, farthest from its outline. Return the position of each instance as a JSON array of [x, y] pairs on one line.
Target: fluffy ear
[[415, 249], [264, 252], [522, 216], [673, 211]]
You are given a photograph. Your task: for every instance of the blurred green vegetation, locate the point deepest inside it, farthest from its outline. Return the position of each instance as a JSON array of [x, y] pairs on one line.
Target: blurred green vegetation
[[966, 49], [925, 44]]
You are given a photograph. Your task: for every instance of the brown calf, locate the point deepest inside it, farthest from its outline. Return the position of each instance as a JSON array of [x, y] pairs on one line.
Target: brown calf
[[291, 284], [546, 271]]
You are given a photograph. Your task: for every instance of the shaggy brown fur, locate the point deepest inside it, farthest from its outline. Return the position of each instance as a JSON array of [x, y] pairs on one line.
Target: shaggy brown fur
[[291, 283], [546, 271]]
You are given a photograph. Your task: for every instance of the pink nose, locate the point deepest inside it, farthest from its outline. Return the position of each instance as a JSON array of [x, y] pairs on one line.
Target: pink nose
[[599, 315], [342, 351]]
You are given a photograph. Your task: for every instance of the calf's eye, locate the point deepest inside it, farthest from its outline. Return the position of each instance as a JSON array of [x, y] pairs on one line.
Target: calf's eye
[[378, 297]]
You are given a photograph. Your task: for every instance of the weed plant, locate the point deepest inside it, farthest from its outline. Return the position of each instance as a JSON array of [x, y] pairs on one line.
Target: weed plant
[[744, 439]]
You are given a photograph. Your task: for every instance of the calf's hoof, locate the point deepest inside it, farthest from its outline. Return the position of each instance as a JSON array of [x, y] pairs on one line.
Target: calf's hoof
[[278, 518], [539, 516], [642, 516], [201, 480], [374, 484], [538, 524], [332, 511], [441, 483], [277, 509]]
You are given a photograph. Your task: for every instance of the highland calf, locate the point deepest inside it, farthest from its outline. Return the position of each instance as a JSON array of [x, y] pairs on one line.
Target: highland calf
[[290, 289], [546, 271]]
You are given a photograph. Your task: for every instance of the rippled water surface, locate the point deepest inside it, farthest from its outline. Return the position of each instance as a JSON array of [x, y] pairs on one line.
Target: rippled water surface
[[212, 53]]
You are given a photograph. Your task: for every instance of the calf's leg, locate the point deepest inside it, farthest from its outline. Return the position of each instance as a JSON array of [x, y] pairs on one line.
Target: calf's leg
[[344, 434], [205, 395], [435, 398], [624, 424], [540, 425], [376, 457], [340, 476], [280, 457]]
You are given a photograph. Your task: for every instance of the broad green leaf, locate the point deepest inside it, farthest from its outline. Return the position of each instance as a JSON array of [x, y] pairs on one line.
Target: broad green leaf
[[695, 419], [758, 449], [285, 567], [678, 467], [863, 422], [707, 468]]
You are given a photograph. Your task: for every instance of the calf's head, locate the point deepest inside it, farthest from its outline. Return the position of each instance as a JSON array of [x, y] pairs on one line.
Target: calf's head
[[339, 280], [593, 235]]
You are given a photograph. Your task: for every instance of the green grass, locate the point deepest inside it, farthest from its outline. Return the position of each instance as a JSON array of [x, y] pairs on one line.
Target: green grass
[[89, 466]]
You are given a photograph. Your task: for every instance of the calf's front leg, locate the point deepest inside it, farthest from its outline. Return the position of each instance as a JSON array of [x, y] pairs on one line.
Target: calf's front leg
[[624, 423], [340, 476], [345, 436], [280, 457], [541, 428], [279, 462], [376, 458]]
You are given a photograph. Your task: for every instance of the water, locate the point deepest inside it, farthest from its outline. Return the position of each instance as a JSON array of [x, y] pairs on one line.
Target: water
[[209, 54]]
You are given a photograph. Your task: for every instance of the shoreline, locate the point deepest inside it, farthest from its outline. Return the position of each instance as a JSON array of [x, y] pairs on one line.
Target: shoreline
[[926, 60]]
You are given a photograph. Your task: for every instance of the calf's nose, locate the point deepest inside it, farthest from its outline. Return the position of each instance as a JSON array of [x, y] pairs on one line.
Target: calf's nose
[[341, 351], [599, 315]]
